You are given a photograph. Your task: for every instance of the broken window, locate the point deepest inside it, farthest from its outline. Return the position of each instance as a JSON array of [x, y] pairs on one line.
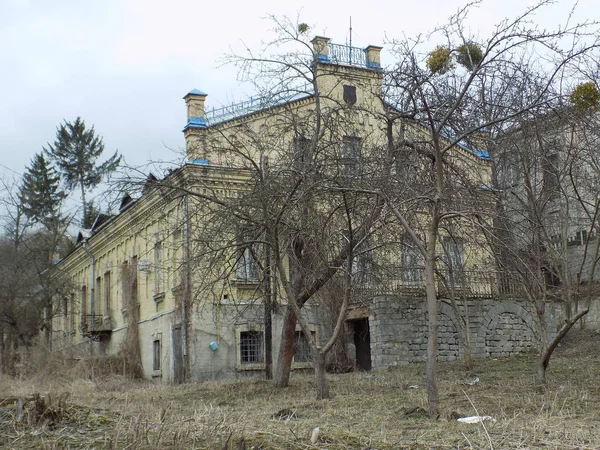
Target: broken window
[[251, 347]]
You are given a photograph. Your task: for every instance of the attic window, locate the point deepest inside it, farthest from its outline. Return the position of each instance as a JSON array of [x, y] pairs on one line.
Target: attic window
[[350, 94]]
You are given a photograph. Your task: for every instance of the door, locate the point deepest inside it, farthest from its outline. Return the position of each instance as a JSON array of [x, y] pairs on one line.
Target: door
[[362, 343]]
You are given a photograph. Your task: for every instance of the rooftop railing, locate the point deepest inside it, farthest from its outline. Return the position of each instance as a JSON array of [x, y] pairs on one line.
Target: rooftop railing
[[344, 54], [257, 103]]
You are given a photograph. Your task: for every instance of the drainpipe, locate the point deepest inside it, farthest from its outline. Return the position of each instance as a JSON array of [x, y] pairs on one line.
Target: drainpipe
[[186, 295], [92, 292]]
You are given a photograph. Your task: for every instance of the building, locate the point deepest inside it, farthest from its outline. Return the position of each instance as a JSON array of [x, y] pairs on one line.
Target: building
[[177, 279], [547, 176]]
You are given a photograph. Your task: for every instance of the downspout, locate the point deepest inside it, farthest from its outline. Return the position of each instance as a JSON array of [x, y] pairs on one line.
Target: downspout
[[92, 292], [187, 281]]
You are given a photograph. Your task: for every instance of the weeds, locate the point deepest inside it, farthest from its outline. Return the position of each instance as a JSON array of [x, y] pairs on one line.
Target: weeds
[[367, 411]]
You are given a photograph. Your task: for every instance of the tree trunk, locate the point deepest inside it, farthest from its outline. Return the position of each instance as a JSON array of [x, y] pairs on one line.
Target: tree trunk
[[286, 350], [322, 389], [432, 336], [544, 361]]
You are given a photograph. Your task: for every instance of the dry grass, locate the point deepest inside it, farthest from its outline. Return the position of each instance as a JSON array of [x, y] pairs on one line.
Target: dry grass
[[377, 410]]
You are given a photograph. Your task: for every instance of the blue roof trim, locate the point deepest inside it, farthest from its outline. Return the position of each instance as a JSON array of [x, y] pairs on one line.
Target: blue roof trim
[[447, 133], [196, 122], [196, 92], [323, 59], [201, 162]]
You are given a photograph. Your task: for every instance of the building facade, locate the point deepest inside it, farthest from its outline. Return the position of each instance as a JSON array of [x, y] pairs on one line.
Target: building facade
[[174, 279]]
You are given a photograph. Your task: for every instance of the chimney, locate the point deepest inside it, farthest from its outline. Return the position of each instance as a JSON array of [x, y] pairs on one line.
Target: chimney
[[373, 56], [196, 125], [195, 109], [321, 49]]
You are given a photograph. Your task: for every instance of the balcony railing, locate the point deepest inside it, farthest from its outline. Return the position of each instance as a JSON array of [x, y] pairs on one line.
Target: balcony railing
[[466, 283]]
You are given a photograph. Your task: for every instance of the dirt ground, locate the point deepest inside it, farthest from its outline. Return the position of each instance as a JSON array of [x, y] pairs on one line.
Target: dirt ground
[[368, 410]]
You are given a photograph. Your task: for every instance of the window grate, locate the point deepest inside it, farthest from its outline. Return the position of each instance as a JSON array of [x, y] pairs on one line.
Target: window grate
[[251, 347]]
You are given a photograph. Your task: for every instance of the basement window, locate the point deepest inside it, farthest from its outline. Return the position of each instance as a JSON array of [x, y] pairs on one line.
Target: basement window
[[251, 347]]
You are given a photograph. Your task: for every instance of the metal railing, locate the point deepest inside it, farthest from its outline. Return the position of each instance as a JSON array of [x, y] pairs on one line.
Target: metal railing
[[344, 54], [466, 283], [255, 104]]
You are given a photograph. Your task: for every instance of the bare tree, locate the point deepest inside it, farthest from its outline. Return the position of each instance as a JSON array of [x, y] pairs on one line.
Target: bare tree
[[547, 169], [465, 93]]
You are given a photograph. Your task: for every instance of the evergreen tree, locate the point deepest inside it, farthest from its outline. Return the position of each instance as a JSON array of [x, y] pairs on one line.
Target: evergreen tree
[[76, 151], [40, 194]]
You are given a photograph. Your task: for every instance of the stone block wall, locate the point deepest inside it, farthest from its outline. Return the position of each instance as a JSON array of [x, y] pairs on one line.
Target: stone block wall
[[398, 328]]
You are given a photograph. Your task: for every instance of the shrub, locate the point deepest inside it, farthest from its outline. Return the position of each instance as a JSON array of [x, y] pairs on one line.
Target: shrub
[[585, 96], [469, 55], [439, 60]]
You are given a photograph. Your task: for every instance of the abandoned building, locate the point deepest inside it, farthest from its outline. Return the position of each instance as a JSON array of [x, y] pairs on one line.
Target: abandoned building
[[137, 278]]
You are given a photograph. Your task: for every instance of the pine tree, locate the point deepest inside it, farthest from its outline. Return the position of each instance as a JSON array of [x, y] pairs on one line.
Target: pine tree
[[40, 194], [76, 151]]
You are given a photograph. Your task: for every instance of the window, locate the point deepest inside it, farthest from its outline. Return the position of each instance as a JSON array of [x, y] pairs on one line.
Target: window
[[251, 347], [107, 305], [247, 263], [83, 300], [159, 287], [302, 350], [300, 149], [551, 176], [351, 154], [411, 264], [98, 299], [156, 349], [453, 256], [177, 257], [72, 312]]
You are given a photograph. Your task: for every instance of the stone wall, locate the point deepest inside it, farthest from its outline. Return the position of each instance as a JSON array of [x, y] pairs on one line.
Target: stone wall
[[398, 328]]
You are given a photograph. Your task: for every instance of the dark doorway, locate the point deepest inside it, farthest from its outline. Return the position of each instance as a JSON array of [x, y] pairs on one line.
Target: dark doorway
[[177, 355], [362, 343]]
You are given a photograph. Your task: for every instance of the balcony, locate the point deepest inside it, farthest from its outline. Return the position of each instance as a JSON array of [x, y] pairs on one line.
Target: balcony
[[96, 324], [468, 284]]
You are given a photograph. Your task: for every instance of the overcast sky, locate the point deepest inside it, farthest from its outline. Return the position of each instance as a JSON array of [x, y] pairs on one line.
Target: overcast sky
[[124, 66]]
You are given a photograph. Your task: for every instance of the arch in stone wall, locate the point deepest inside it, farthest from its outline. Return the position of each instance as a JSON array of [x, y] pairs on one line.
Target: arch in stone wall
[[507, 329]]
